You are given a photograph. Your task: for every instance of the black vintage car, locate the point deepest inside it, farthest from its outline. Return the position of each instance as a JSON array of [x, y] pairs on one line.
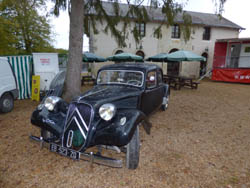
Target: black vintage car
[[107, 116]]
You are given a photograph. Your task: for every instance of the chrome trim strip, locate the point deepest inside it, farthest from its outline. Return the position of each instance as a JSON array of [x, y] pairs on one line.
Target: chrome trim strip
[[70, 118], [89, 94], [80, 128], [84, 123], [91, 119], [102, 160], [98, 159], [118, 83]]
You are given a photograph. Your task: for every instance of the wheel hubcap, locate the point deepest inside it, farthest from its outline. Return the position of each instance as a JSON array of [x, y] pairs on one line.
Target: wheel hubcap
[[7, 103]]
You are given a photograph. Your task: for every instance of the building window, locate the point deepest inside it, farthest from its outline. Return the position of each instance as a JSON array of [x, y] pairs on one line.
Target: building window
[[141, 28], [173, 50], [247, 49], [206, 33], [118, 52], [176, 33], [140, 53]]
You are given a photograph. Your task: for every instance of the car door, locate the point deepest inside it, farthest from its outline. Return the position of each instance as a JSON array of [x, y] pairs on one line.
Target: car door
[[160, 82], [153, 94]]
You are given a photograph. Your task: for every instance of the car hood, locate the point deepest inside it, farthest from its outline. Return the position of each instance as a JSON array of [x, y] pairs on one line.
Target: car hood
[[101, 94]]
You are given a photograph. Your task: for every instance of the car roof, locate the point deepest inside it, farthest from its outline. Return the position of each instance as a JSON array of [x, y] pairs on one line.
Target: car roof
[[145, 67]]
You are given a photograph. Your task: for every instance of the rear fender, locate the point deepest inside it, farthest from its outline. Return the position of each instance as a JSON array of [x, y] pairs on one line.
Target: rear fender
[[51, 121]]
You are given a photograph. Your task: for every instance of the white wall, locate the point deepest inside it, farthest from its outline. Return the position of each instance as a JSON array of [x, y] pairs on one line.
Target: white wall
[[105, 45], [199, 45], [46, 66]]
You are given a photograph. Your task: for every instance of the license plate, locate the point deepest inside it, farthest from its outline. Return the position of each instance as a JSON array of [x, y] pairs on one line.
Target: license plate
[[65, 151]]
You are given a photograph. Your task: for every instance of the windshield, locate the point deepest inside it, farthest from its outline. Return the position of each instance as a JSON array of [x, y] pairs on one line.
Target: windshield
[[58, 80], [126, 77]]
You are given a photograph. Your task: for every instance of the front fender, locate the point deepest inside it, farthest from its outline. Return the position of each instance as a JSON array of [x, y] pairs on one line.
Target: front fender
[[118, 133], [50, 121]]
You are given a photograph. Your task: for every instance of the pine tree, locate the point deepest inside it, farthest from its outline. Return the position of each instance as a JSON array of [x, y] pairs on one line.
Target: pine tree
[[80, 23]]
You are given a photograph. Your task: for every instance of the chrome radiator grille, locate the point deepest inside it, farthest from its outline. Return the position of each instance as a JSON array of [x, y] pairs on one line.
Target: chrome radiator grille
[[77, 125]]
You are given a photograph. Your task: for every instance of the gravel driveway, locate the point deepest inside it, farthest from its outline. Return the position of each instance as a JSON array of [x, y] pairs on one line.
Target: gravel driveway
[[201, 141]]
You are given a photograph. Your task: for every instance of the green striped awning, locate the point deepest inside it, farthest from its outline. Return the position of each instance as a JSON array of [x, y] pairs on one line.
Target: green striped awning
[[22, 66]]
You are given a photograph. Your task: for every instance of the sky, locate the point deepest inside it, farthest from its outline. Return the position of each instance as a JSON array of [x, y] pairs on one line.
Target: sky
[[236, 11]]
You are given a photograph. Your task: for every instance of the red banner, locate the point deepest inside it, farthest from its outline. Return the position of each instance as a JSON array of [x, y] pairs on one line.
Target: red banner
[[231, 75]]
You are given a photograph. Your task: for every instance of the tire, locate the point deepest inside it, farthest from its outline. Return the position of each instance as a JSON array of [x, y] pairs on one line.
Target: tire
[[46, 134], [133, 151], [6, 103], [165, 103]]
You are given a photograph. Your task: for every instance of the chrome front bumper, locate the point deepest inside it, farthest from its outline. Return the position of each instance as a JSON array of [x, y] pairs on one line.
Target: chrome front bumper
[[93, 158]]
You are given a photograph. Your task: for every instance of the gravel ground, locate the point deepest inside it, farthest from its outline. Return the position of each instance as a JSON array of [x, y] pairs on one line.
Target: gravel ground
[[201, 141]]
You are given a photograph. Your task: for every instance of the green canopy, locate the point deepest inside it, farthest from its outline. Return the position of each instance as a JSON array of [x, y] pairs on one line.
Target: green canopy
[[125, 57], [90, 57], [184, 56], [157, 58], [176, 57]]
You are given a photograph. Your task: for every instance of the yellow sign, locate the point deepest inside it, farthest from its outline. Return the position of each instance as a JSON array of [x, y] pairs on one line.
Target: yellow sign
[[35, 95]]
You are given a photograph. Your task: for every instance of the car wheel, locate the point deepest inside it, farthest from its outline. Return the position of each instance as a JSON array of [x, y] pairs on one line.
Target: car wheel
[[165, 103], [46, 134], [133, 151], [6, 103]]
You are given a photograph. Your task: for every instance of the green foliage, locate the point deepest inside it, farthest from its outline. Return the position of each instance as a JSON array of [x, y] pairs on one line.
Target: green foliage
[[7, 37], [58, 5], [186, 26], [100, 15], [136, 35], [22, 29], [171, 9], [60, 51], [95, 12], [137, 13], [219, 6], [134, 13], [157, 32]]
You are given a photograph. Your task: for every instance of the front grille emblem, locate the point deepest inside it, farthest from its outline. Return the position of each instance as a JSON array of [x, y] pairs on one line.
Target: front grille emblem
[[77, 122], [70, 138]]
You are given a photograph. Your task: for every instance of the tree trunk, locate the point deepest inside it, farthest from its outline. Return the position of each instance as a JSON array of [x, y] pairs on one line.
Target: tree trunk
[[73, 74]]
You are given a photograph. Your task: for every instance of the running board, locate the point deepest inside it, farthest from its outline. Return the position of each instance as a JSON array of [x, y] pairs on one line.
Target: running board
[[93, 158]]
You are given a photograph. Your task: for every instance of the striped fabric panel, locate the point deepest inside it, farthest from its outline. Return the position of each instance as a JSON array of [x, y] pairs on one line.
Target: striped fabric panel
[[22, 69]]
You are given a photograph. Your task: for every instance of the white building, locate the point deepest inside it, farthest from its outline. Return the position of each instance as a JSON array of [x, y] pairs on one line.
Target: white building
[[205, 30]]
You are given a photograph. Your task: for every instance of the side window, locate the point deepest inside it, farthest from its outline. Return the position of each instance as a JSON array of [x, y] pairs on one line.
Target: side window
[[151, 79], [159, 77]]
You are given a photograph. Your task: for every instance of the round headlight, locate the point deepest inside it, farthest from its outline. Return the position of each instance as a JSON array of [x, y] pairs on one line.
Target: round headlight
[[50, 102], [107, 111]]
